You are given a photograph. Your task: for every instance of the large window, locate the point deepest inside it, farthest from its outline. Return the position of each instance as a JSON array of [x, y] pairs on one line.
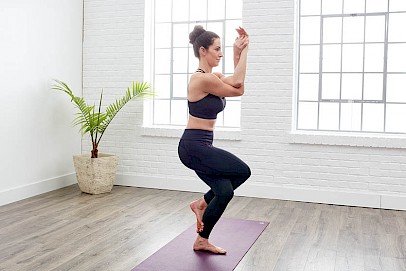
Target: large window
[[352, 66], [173, 61]]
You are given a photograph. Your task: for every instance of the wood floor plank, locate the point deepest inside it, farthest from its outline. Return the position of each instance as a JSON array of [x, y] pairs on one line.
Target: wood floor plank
[[68, 230]]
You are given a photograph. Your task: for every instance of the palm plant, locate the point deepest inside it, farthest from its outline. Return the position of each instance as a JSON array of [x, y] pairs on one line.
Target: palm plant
[[92, 120]]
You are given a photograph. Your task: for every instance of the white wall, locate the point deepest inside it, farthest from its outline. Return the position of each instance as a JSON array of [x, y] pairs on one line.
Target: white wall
[[39, 40], [324, 168]]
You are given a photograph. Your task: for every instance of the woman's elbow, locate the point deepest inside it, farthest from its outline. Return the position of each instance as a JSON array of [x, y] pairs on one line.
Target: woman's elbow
[[237, 85], [239, 91]]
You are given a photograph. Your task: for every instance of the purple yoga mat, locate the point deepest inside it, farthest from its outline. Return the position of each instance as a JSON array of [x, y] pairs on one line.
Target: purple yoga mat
[[234, 235]]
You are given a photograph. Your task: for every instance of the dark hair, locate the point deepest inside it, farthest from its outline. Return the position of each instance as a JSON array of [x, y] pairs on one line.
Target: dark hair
[[199, 37]]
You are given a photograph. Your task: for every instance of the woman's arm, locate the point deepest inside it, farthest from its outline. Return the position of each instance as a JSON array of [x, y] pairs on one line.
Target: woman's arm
[[240, 60], [238, 78], [211, 83], [239, 44]]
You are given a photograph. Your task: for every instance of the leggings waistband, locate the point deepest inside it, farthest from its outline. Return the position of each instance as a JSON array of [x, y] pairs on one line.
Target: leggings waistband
[[197, 134]]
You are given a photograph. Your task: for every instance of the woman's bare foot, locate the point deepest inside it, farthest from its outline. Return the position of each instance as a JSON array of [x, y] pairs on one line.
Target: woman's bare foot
[[204, 245], [198, 207]]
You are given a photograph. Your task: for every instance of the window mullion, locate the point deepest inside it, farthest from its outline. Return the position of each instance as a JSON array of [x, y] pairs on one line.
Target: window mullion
[[385, 67]]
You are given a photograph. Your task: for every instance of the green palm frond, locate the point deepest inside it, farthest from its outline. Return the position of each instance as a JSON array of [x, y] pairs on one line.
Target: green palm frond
[[83, 118], [136, 91], [96, 123]]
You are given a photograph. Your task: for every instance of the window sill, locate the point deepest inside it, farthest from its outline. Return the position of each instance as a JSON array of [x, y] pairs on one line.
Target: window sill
[[233, 134], [348, 139]]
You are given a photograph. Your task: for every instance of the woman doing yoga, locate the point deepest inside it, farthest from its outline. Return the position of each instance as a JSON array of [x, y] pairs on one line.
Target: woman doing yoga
[[222, 171]]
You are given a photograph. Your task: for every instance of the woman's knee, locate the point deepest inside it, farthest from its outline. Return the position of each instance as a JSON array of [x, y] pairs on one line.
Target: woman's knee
[[225, 191], [246, 172], [225, 196]]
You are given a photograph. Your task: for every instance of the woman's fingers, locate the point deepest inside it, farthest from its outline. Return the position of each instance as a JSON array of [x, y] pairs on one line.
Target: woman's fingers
[[241, 31], [241, 42]]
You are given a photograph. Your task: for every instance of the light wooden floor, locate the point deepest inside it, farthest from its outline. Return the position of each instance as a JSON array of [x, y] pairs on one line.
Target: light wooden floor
[[68, 230]]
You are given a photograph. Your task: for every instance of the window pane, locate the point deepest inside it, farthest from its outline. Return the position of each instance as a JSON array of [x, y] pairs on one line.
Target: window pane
[[354, 6], [397, 57], [193, 61], [308, 30], [331, 86], [229, 67], [396, 88], [375, 29], [162, 60], [332, 30], [377, 6], [353, 65], [310, 7], [309, 87], [198, 10], [180, 10], [230, 32], [161, 111], [161, 10], [220, 118], [180, 35], [234, 9], [353, 58], [350, 117], [374, 57], [397, 23], [397, 5], [329, 116], [353, 29], [180, 82], [332, 7], [162, 86], [180, 60], [174, 60], [372, 117], [216, 9], [351, 86], [395, 118], [331, 58], [217, 27], [309, 56], [178, 112], [163, 35], [232, 114], [373, 86], [308, 113]]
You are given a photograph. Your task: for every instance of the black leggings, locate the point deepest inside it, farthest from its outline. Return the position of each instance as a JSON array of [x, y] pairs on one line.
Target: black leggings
[[222, 171]]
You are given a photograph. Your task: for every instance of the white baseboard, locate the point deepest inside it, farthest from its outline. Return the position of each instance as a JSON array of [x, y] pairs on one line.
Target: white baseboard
[[34, 189], [249, 189], [393, 202], [262, 190]]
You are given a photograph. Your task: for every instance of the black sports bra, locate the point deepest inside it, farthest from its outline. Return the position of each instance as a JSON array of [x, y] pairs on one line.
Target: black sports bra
[[208, 107]]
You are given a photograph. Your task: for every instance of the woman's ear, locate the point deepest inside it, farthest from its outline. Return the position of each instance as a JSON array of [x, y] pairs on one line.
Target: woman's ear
[[202, 51]]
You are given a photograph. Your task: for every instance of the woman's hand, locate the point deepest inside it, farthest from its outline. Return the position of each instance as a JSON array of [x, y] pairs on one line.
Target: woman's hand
[[241, 41], [241, 32]]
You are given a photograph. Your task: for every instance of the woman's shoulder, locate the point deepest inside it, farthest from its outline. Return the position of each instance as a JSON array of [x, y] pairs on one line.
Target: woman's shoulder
[[219, 75], [203, 78]]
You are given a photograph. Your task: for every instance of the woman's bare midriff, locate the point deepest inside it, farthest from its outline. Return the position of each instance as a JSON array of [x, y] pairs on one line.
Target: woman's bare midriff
[[198, 123]]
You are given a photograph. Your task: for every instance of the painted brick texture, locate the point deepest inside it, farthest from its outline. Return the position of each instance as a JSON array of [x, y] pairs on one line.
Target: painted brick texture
[[114, 56]]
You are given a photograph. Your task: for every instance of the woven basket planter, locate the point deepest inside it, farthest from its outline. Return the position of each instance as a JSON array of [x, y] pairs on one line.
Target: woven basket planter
[[95, 175]]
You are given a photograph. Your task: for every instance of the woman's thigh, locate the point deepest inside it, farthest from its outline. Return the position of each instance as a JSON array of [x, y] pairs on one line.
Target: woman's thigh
[[211, 160]]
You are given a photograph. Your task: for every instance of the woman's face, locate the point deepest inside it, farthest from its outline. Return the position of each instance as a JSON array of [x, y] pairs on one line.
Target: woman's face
[[214, 54]]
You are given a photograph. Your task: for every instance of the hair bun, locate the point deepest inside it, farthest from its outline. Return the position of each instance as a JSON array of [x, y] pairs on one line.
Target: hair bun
[[197, 31]]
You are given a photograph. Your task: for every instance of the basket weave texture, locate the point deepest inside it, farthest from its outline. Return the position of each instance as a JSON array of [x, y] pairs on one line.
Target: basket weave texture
[[95, 175]]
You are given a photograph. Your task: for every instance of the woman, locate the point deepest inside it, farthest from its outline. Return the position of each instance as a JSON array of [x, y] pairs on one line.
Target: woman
[[222, 171]]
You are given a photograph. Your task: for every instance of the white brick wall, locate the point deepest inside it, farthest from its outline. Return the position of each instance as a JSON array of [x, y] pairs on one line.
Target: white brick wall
[[329, 169]]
